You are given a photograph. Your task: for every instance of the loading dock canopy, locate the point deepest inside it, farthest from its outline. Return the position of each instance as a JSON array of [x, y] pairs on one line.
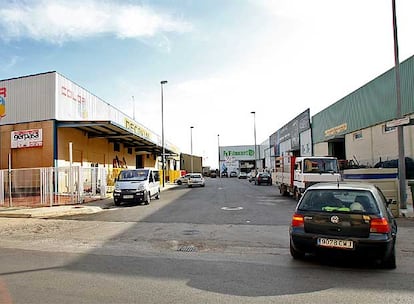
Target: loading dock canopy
[[116, 134]]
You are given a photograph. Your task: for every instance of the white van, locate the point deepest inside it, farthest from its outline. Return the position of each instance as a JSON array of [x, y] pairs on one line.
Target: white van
[[137, 185]]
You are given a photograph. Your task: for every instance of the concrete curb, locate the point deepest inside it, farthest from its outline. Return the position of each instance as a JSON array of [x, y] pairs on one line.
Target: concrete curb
[[47, 212], [57, 211]]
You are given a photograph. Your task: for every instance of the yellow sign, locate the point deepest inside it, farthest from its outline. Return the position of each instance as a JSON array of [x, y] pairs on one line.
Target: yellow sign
[[336, 130], [137, 129]]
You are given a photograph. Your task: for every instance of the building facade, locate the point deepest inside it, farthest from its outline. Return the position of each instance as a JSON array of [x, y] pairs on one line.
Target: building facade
[[46, 120]]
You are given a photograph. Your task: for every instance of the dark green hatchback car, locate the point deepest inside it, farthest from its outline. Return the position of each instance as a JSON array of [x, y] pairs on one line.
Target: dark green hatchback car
[[350, 219]]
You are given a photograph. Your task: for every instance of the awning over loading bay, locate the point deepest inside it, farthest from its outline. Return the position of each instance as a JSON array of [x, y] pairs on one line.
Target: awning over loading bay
[[117, 134]]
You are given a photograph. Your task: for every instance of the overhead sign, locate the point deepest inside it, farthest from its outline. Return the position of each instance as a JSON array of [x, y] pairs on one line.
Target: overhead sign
[[26, 138], [398, 122]]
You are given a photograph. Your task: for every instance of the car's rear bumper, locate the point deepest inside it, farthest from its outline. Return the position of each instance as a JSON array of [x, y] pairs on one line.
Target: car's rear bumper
[[378, 246]]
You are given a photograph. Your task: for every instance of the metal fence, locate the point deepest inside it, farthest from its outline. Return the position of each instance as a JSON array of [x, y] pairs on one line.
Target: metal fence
[[36, 187]]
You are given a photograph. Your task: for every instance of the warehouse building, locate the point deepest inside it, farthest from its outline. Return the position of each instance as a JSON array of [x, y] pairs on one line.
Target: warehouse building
[[48, 121], [358, 127]]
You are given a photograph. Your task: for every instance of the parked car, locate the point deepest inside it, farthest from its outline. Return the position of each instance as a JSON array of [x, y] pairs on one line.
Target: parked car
[[196, 179], [224, 174], [263, 178], [213, 174], [409, 166], [242, 175], [233, 174], [183, 179], [351, 219], [137, 185]]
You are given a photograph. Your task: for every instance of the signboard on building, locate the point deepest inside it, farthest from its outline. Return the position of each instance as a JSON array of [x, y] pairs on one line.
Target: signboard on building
[[398, 122], [306, 143], [236, 153], [290, 131], [26, 138]]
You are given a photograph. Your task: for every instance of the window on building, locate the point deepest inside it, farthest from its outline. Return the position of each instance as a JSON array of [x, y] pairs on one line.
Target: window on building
[[357, 135], [389, 129], [117, 147]]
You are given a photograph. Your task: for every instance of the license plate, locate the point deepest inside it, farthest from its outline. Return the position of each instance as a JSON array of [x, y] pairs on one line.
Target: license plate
[[128, 196], [335, 243]]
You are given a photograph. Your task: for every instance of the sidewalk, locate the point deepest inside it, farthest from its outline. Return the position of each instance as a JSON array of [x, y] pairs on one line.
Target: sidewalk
[[56, 211]]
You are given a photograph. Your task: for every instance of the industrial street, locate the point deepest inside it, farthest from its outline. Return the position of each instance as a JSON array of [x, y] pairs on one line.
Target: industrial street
[[226, 242]]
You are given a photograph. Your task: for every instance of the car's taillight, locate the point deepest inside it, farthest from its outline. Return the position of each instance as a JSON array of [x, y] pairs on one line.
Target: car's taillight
[[297, 220], [379, 225]]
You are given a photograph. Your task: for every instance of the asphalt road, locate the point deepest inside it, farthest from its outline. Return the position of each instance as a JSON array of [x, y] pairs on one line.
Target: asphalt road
[[221, 201], [185, 248]]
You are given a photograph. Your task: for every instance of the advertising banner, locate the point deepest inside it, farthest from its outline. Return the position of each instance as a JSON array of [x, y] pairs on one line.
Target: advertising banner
[[26, 138]]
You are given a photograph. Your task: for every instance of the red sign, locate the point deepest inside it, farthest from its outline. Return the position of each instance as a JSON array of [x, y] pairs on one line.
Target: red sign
[[3, 92]]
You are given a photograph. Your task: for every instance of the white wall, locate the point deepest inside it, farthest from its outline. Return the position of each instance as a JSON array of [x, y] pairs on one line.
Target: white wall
[[376, 144]]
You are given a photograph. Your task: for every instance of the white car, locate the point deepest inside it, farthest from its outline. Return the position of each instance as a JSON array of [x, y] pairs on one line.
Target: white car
[[196, 179], [183, 179], [242, 175]]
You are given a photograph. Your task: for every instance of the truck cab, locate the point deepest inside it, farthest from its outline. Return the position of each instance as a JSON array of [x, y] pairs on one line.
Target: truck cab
[[312, 170], [294, 174]]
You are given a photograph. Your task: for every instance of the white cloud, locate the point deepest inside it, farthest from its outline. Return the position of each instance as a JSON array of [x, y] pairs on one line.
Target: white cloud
[[60, 21], [8, 64]]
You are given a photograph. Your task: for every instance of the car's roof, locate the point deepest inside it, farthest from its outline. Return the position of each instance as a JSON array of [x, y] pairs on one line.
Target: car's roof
[[344, 185]]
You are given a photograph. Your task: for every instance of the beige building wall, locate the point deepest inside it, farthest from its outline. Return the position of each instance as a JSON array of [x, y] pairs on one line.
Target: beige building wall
[[33, 157], [321, 149], [371, 145], [186, 163]]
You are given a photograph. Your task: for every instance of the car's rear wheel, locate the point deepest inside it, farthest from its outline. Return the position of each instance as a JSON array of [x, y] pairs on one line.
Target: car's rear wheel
[[390, 262], [117, 202], [297, 255], [283, 190], [158, 195]]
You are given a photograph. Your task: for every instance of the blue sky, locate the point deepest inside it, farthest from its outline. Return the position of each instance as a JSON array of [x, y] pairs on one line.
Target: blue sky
[[222, 59]]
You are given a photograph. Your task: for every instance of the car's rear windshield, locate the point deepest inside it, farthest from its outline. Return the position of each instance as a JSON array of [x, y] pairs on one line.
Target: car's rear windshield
[[339, 200], [133, 175]]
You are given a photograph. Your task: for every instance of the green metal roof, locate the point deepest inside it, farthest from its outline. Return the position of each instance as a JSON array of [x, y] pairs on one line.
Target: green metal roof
[[373, 103]]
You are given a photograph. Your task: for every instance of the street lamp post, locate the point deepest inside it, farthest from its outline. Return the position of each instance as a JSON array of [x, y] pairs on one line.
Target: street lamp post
[[400, 129], [162, 131], [218, 146], [191, 147], [255, 146], [133, 107]]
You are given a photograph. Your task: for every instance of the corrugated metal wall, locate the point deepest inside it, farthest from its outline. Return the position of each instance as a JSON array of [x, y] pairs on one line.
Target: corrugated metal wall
[[371, 104], [29, 98]]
